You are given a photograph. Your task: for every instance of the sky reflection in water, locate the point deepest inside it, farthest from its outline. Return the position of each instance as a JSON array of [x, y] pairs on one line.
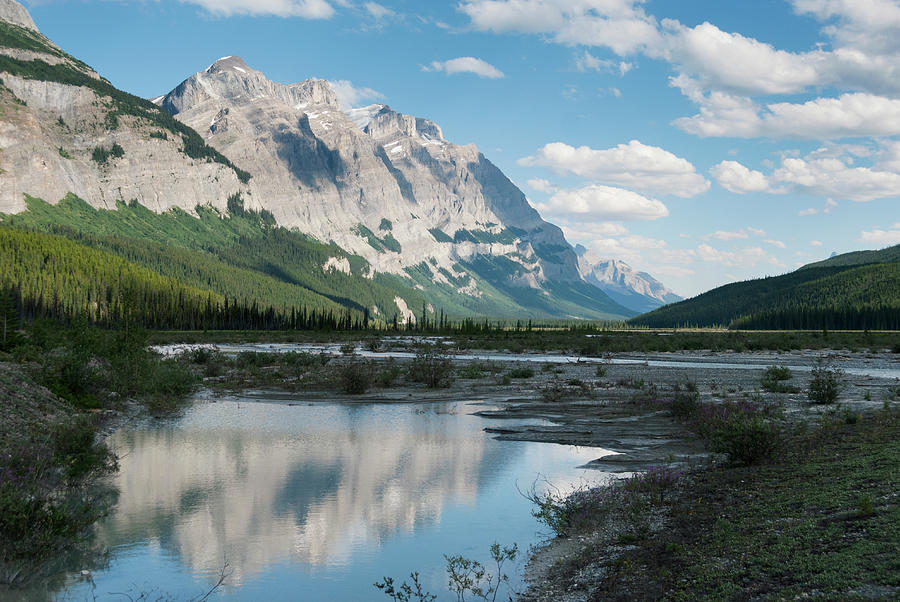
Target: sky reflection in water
[[316, 501]]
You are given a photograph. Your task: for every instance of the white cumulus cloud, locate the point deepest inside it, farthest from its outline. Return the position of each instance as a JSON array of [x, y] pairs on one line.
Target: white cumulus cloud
[[730, 61], [602, 203], [733, 176], [830, 177], [639, 166], [307, 9], [542, 185], [882, 238], [829, 172], [466, 64], [620, 25], [847, 116]]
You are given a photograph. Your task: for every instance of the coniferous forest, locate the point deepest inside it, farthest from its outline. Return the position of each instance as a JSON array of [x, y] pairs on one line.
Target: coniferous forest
[[178, 271], [857, 291]]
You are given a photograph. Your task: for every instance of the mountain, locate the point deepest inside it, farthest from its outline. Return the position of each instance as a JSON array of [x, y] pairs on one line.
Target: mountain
[[62, 121], [853, 291], [638, 291], [365, 209], [390, 188]]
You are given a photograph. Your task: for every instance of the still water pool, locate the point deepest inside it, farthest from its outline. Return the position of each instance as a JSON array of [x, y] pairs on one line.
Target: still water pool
[[313, 501]]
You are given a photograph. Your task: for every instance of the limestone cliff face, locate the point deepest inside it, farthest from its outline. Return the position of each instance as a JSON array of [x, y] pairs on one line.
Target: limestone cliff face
[[50, 130], [13, 12], [352, 175]]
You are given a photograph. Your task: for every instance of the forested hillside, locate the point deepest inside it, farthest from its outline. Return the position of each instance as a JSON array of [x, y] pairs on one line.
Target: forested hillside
[[239, 257], [853, 291], [888, 255]]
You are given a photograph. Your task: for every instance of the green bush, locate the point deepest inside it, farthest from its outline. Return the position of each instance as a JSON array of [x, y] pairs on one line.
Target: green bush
[[75, 449], [432, 367], [825, 385], [774, 377], [170, 378], [684, 404], [387, 373], [745, 438], [355, 376], [28, 520], [521, 373]]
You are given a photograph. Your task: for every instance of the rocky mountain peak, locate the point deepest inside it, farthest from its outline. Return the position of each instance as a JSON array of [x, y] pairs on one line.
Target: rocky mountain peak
[[633, 289], [316, 92], [388, 123], [230, 80], [13, 12], [234, 64]]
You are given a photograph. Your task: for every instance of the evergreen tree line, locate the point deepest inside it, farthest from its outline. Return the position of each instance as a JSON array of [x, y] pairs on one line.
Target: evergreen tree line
[[851, 297], [45, 276], [878, 317], [240, 254]]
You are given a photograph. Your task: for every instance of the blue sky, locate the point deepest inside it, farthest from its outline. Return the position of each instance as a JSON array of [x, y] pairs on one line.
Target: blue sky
[[702, 141]]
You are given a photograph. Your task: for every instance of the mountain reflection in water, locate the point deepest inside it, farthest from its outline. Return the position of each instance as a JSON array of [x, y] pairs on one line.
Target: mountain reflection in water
[[264, 483]]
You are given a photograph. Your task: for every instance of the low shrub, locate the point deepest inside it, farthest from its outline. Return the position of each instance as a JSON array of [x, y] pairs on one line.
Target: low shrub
[[169, 378], [471, 371], [431, 366], [774, 377], [745, 438], [655, 482], [355, 376], [76, 450], [587, 509], [826, 384], [387, 373], [521, 373], [684, 404]]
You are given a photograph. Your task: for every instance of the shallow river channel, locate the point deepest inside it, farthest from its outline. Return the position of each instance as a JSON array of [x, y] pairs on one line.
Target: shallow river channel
[[313, 501]]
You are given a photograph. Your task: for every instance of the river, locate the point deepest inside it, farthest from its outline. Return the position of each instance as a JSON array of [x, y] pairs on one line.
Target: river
[[303, 501]]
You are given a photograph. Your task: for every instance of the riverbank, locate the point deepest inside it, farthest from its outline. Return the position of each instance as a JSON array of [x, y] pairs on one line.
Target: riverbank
[[819, 518], [62, 390], [820, 522], [52, 462]]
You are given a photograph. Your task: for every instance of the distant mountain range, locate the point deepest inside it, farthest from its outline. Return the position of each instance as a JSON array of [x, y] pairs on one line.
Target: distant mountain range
[[855, 291], [391, 217], [635, 290]]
